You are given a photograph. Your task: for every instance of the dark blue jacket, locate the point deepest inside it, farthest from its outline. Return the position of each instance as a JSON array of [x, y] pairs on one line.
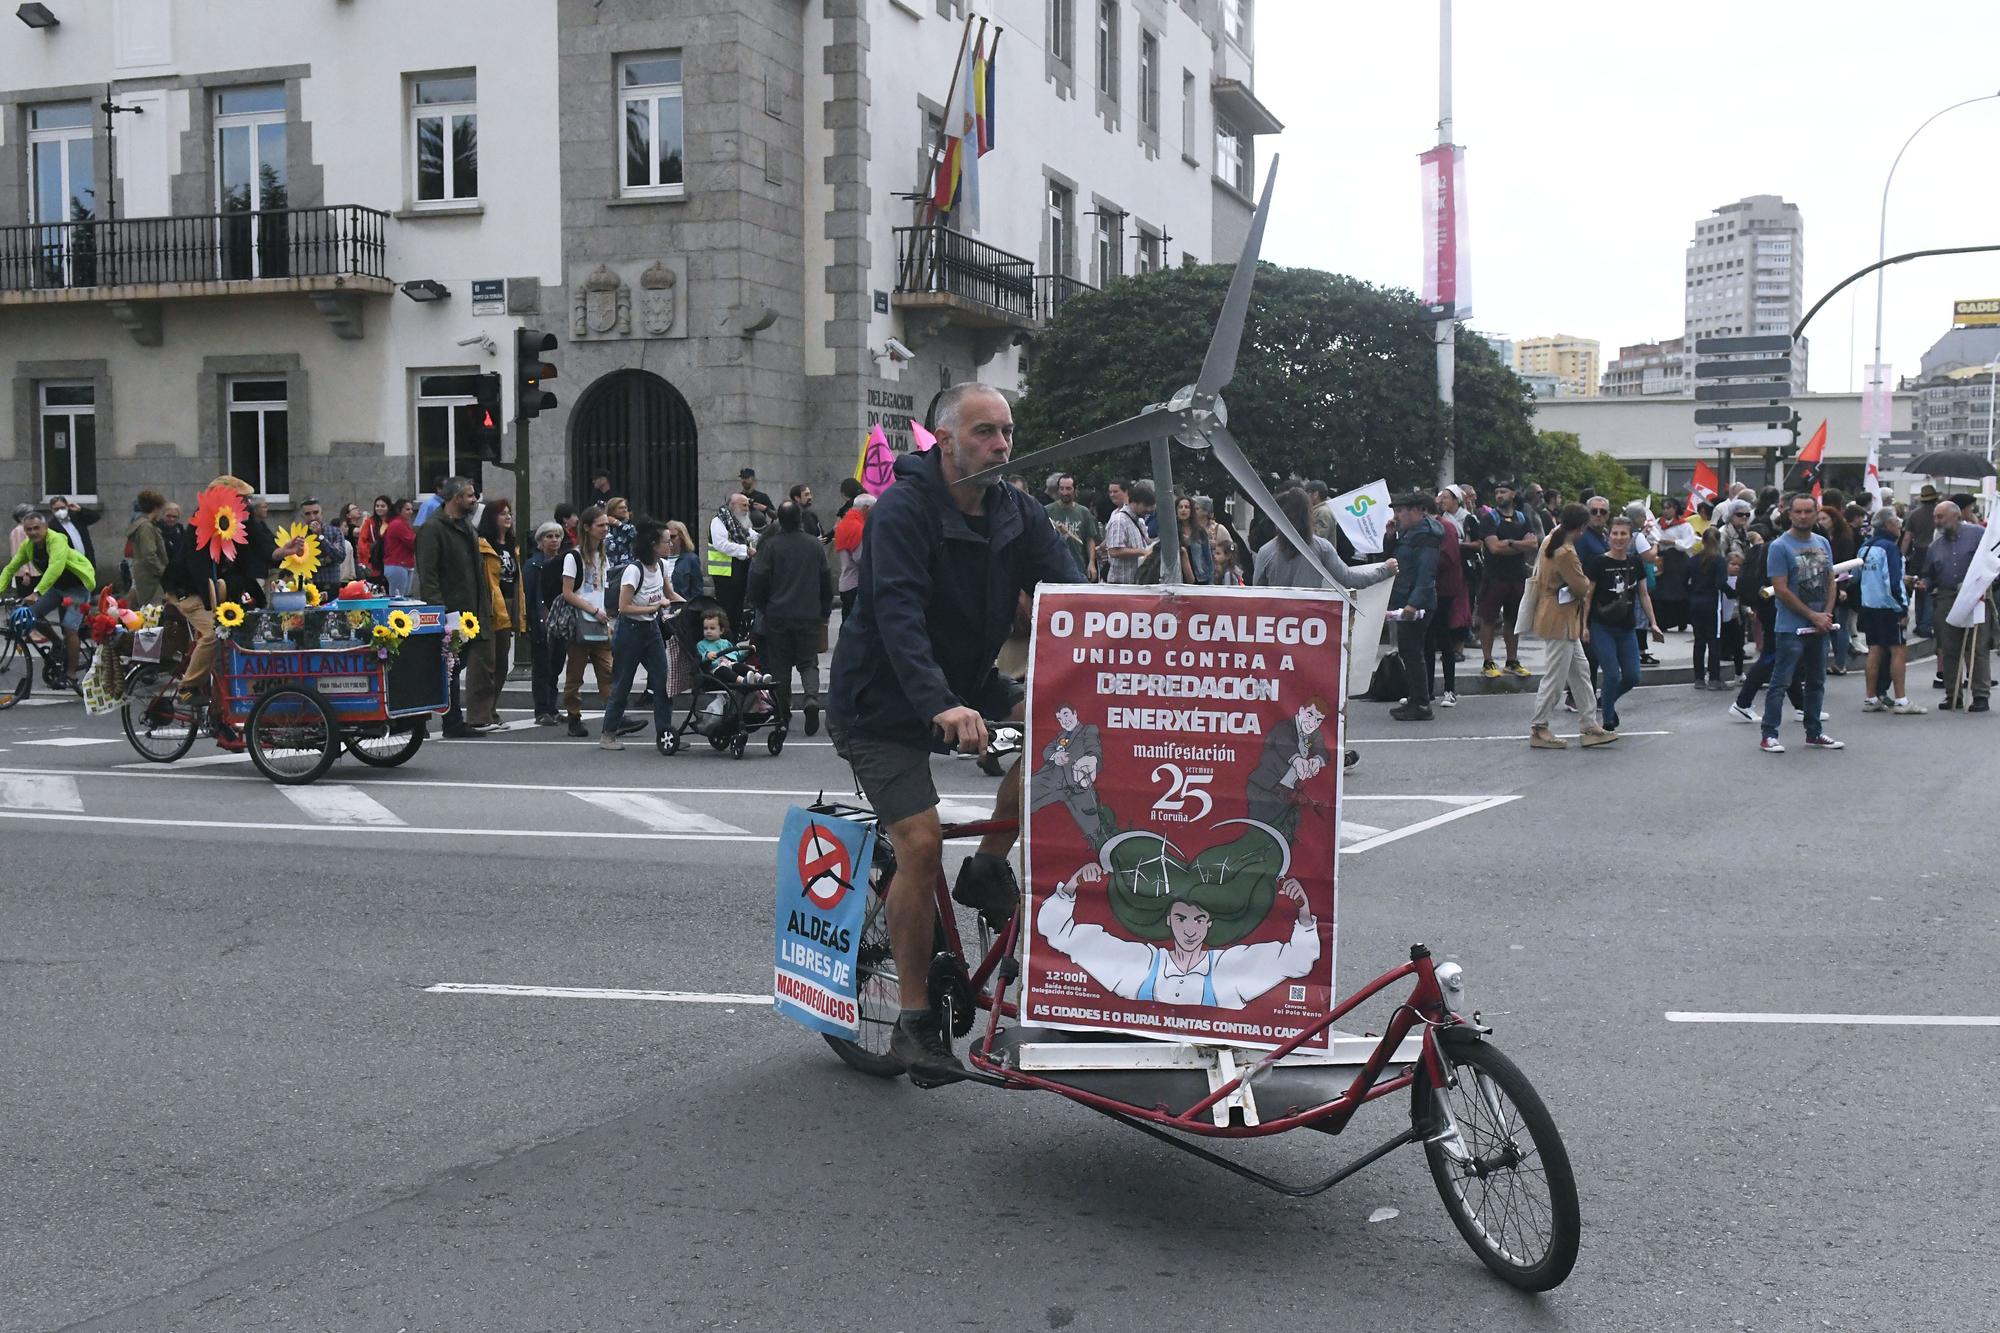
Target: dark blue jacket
[[936, 602], [1416, 552]]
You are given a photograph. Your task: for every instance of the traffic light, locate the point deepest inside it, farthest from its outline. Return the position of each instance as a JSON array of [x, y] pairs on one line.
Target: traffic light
[[530, 370], [487, 415]]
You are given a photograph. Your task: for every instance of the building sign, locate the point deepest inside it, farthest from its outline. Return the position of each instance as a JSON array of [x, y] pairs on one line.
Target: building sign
[[489, 296], [1183, 811], [1973, 314], [892, 411]]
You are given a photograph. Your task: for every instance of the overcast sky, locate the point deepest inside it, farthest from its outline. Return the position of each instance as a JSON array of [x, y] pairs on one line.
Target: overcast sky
[[1598, 133]]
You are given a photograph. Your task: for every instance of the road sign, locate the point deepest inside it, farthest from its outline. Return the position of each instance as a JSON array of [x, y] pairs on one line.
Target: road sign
[[1768, 390], [1763, 414], [1779, 366], [1772, 342], [1741, 439]]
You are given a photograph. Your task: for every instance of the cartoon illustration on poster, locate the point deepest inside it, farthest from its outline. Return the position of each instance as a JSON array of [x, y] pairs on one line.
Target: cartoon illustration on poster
[[1183, 811]]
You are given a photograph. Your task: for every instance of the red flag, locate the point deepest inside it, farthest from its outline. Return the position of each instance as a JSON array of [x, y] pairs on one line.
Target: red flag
[[1705, 485], [1808, 461]]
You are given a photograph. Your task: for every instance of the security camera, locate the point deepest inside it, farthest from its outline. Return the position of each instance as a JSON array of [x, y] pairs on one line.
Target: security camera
[[484, 341], [898, 352]]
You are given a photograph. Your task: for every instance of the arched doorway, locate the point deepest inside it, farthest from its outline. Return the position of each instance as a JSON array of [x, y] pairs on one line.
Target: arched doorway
[[637, 427]]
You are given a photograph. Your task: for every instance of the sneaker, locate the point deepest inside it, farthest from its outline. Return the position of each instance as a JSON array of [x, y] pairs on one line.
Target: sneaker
[[546, 719], [610, 742], [1904, 708], [1770, 745], [1799, 715], [1447, 700], [1516, 669], [1647, 659], [1349, 760], [1541, 738], [1937, 682], [1741, 714], [987, 884], [1597, 736], [1823, 742], [1873, 705], [924, 1051], [1569, 701], [487, 728], [812, 719], [576, 727], [1490, 671], [1408, 714]]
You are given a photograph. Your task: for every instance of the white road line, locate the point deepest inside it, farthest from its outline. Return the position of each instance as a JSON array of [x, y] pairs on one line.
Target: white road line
[[147, 768], [335, 803], [983, 801], [378, 829], [1396, 835], [654, 812], [1440, 740], [596, 993], [964, 812], [46, 701], [1843, 1020], [1350, 829], [39, 792], [73, 740]]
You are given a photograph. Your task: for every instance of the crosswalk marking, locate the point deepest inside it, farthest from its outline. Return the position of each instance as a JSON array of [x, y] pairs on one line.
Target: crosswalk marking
[[654, 812], [72, 740], [150, 768], [335, 803], [1350, 829], [40, 793]]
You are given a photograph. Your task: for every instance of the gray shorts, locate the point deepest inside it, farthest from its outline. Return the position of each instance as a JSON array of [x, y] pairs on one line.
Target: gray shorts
[[895, 776]]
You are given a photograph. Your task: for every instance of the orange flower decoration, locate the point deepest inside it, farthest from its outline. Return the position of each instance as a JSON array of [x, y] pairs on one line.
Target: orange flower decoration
[[221, 522]]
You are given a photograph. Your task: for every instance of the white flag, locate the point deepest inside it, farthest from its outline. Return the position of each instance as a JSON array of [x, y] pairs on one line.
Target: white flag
[[1364, 515], [1970, 608]]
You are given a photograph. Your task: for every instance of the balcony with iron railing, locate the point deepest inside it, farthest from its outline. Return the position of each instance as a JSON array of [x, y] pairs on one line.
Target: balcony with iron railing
[[332, 254], [957, 279]]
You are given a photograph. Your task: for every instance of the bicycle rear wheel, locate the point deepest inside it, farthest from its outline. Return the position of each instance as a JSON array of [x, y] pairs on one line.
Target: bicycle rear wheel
[[17, 669], [291, 736], [158, 729], [1514, 1201]]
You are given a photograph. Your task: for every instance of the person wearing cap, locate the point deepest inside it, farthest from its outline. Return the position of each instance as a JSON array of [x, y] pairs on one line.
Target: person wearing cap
[[1919, 527], [541, 584], [761, 507], [1414, 596], [599, 491]]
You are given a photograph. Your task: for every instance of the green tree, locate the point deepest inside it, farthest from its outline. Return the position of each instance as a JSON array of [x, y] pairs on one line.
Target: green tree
[[1336, 380], [1559, 461]]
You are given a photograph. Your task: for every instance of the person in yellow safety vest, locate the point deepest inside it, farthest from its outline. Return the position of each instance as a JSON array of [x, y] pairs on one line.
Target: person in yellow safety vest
[[731, 543]]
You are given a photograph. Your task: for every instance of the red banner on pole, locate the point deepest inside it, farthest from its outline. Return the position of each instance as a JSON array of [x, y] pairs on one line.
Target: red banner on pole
[[1447, 257], [1183, 811]]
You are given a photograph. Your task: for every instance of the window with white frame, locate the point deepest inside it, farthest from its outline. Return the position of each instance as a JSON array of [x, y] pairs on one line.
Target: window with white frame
[[1062, 31], [260, 449], [1109, 235], [1107, 49], [444, 128], [1061, 228], [1236, 21], [63, 188], [1149, 251], [69, 439], [1149, 80], [650, 91], [447, 419], [1232, 160]]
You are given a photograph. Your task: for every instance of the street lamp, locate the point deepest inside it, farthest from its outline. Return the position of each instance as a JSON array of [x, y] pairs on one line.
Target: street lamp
[[1882, 238]]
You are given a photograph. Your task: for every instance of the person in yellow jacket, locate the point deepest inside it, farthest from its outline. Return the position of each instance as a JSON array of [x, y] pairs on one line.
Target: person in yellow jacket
[[66, 573], [487, 657], [731, 543]]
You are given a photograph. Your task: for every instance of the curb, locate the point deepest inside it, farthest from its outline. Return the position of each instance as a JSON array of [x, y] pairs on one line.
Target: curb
[[1475, 683]]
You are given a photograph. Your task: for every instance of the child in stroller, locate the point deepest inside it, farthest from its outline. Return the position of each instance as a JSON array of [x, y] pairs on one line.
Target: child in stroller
[[730, 695]]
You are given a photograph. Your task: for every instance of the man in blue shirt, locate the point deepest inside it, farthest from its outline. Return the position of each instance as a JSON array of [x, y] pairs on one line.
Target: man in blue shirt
[[1800, 565]]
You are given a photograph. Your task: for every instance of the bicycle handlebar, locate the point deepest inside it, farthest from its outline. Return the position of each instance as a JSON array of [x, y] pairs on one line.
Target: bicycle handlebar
[[1004, 736]]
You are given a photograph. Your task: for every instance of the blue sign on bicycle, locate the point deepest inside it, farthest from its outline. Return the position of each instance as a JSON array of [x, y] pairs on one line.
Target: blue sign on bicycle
[[822, 899]]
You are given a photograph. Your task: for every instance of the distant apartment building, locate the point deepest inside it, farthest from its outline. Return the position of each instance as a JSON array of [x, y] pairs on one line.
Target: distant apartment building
[[1572, 361], [1647, 370], [1954, 406], [1745, 274]]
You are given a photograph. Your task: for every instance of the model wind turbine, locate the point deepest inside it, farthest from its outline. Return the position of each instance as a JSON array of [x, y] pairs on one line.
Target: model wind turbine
[[1195, 416]]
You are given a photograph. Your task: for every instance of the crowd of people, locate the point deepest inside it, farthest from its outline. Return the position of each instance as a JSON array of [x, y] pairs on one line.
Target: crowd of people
[[1776, 593]]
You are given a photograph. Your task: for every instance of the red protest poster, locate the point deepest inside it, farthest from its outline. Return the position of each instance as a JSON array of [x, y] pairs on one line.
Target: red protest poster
[[1183, 811]]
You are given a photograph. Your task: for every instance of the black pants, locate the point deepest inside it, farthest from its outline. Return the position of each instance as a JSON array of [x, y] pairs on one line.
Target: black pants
[[729, 590], [1730, 645], [1410, 636], [788, 644], [1439, 645], [1707, 647]]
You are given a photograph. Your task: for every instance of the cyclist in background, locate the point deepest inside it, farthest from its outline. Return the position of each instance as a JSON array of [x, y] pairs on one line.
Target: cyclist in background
[[66, 573], [943, 567]]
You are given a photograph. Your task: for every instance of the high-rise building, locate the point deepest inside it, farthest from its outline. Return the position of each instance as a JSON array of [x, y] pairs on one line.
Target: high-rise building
[[1572, 360], [1647, 370], [1954, 391], [1745, 274]]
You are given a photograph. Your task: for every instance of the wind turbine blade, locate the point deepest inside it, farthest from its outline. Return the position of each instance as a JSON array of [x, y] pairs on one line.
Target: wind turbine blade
[[1219, 366], [1150, 425], [1231, 457]]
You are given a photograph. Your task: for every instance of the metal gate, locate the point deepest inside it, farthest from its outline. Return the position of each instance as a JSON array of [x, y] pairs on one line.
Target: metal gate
[[637, 427]]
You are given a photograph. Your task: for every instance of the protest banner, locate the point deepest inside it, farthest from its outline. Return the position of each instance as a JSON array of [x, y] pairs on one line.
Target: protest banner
[[822, 898], [1183, 810], [1364, 515]]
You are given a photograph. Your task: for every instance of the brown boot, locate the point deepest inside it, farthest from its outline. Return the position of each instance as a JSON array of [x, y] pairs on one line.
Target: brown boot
[[1541, 738], [1598, 736]]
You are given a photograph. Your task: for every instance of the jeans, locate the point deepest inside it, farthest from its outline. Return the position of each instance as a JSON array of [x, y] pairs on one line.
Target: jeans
[[638, 643], [1925, 607], [546, 662], [399, 579], [1759, 675], [1843, 635], [1801, 657], [1618, 660]]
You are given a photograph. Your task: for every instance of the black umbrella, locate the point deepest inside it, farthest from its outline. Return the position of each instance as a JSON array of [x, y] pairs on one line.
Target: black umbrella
[[1950, 463]]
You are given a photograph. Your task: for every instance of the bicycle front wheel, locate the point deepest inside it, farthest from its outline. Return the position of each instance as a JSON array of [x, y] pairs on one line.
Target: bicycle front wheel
[[1501, 1168], [291, 736], [17, 669], [158, 728]]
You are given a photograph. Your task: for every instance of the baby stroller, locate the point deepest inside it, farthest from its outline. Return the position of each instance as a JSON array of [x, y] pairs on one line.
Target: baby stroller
[[727, 712]]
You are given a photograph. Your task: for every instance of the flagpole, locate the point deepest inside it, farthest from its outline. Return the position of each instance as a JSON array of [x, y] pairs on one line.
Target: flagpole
[[1446, 329], [951, 95]]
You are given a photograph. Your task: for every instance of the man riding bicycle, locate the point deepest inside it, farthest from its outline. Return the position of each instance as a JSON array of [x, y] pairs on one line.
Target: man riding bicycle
[[66, 573], [943, 566]]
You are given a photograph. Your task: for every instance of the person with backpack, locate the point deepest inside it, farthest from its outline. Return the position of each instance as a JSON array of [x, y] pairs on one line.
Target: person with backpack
[[645, 590], [1884, 609]]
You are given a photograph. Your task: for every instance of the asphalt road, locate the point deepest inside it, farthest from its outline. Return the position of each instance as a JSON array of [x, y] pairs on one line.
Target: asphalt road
[[230, 1102]]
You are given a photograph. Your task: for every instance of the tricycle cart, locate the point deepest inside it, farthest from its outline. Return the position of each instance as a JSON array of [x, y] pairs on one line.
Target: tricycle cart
[[296, 706]]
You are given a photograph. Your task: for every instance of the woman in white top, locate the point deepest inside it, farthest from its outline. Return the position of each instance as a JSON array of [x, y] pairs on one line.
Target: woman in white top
[[583, 574], [645, 589]]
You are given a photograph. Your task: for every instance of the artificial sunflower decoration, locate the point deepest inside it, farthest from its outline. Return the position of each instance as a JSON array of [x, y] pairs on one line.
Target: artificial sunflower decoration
[[306, 563], [229, 615], [400, 624], [221, 522], [312, 594], [468, 625], [381, 634]]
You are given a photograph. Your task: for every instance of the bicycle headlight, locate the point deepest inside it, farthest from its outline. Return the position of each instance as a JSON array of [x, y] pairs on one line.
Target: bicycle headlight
[[1451, 980]]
